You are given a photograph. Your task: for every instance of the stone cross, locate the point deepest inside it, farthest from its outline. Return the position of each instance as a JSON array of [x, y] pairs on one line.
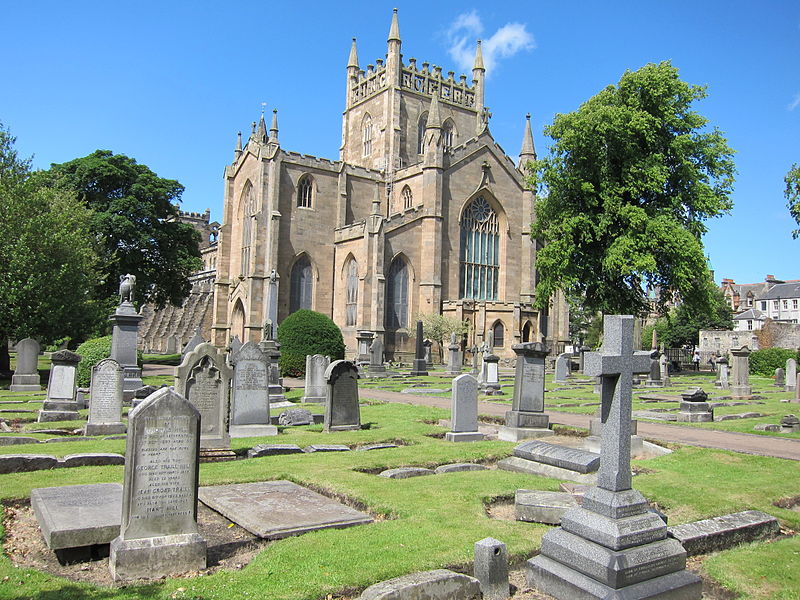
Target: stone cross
[[615, 364]]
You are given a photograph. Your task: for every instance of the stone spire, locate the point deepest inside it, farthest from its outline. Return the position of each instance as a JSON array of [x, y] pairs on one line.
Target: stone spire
[[273, 128], [353, 60], [528, 151], [394, 30], [478, 59], [434, 119], [261, 132], [238, 151], [479, 78]]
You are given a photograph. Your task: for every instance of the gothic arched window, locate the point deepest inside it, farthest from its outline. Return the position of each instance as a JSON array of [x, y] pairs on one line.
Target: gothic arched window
[[498, 332], [397, 295], [408, 199], [448, 136], [351, 299], [247, 216], [527, 332], [366, 130], [480, 251], [305, 191], [301, 285], [423, 120]]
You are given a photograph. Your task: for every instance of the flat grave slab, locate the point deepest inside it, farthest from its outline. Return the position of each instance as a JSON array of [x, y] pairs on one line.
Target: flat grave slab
[[726, 531], [279, 509], [74, 516], [559, 456]]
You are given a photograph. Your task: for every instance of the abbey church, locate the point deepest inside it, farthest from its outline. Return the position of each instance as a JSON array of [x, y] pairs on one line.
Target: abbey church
[[423, 212]]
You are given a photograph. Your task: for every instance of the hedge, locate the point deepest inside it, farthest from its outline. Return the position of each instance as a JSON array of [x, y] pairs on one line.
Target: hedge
[[764, 362], [307, 332]]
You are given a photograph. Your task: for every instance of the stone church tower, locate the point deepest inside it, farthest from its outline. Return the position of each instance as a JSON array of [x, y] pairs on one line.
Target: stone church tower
[[423, 212]]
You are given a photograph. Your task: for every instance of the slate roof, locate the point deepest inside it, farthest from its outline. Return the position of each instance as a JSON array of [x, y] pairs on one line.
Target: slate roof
[[782, 290], [750, 314]]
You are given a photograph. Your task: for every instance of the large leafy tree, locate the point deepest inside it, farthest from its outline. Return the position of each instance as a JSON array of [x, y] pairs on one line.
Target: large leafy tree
[[47, 258], [631, 177], [134, 224], [683, 324], [792, 194]]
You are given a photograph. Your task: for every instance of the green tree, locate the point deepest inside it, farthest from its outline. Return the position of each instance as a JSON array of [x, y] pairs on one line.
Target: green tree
[[683, 324], [631, 177], [438, 328], [306, 332], [134, 212], [46, 257], [792, 194]]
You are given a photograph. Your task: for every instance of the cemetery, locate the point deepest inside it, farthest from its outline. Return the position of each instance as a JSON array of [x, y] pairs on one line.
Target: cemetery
[[349, 485]]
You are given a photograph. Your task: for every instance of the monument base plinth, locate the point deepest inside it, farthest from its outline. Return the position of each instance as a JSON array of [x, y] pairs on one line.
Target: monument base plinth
[[312, 400], [156, 557], [343, 428], [419, 368], [515, 434], [104, 428], [252, 430], [463, 436], [25, 383]]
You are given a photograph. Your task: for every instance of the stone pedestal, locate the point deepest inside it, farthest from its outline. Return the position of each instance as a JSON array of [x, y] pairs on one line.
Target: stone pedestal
[[273, 350], [124, 337], [363, 340], [695, 412], [526, 419], [420, 366], [490, 380], [154, 557], [741, 387]]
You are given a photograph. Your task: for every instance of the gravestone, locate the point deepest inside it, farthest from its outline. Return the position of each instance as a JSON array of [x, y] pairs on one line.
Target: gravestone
[[26, 373], [272, 303], [612, 546], [235, 345], [562, 368], [663, 363], [490, 383], [694, 407], [741, 387], [364, 338], [250, 393], [376, 357], [464, 416], [172, 344], [316, 389], [722, 374], [453, 356], [790, 424], [105, 405], [60, 404], [791, 375], [428, 344], [419, 367], [193, 342], [475, 361], [158, 531], [491, 569], [780, 377], [527, 418], [654, 378], [125, 337], [273, 350], [342, 412], [204, 379]]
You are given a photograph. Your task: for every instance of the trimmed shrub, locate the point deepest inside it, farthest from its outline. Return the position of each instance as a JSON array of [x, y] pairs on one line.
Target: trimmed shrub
[[764, 362], [307, 332], [92, 352]]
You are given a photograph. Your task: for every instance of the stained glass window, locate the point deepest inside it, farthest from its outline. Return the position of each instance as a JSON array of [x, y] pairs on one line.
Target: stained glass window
[[480, 251], [351, 302], [397, 295]]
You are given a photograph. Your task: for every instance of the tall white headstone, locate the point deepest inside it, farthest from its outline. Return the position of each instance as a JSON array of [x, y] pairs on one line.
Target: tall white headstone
[[250, 393], [464, 413], [105, 393], [26, 373]]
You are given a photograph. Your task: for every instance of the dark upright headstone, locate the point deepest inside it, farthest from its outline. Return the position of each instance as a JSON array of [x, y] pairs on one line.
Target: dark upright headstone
[[158, 533], [612, 546], [342, 412], [420, 366]]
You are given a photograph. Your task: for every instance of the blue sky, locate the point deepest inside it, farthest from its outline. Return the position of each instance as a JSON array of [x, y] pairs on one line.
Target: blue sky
[[170, 83]]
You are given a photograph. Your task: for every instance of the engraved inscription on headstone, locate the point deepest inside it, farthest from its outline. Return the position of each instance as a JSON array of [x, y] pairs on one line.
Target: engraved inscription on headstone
[[341, 408], [105, 408], [250, 395]]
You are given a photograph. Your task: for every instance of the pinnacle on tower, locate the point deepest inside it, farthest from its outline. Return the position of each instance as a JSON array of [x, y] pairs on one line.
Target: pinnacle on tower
[[478, 58], [528, 151], [273, 128], [434, 119], [261, 132], [394, 30], [353, 60], [238, 149]]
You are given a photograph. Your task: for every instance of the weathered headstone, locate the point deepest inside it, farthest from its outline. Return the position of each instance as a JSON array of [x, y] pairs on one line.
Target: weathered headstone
[[453, 356], [204, 379], [694, 407], [612, 546], [663, 363], [790, 424], [791, 375], [158, 533], [722, 374], [527, 418], [741, 387], [172, 344], [780, 377], [342, 412], [562, 367], [273, 350], [250, 393], [475, 361], [490, 380], [376, 357], [105, 393], [654, 378], [428, 344], [364, 338], [193, 342], [26, 373], [60, 404], [235, 345], [464, 417], [125, 337], [295, 417], [316, 388], [420, 366]]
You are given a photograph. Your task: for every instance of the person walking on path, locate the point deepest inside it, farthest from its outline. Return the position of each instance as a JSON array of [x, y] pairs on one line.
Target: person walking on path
[[696, 359]]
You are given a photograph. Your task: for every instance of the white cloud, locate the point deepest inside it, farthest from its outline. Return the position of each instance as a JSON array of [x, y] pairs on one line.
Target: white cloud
[[795, 103], [507, 41]]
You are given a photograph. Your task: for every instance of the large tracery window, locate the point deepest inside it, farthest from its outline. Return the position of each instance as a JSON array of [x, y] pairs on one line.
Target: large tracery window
[[302, 285], [367, 135], [248, 211], [480, 251], [351, 302], [397, 295]]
